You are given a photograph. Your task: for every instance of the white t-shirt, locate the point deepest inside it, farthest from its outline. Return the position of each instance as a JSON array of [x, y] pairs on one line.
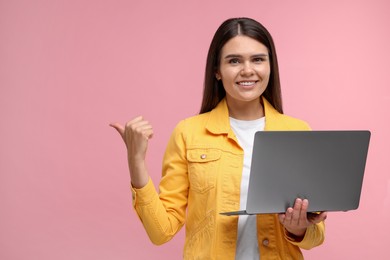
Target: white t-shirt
[[247, 244]]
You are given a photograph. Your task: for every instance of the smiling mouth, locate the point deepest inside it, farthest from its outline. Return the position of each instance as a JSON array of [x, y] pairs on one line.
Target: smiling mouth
[[246, 83]]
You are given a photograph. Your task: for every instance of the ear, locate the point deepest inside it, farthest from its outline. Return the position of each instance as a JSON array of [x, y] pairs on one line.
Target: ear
[[218, 76]]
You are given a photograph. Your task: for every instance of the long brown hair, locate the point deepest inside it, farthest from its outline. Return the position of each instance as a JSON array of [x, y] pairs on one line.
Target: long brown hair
[[213, 91]]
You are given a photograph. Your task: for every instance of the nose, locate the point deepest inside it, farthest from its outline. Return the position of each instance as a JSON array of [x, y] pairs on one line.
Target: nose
[[247, 69]]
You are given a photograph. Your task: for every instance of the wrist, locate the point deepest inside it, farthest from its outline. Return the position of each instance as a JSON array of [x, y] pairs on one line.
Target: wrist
[[296, 235], [138, 174]]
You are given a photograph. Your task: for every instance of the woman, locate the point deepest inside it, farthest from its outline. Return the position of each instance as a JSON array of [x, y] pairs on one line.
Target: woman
[[207, 160]]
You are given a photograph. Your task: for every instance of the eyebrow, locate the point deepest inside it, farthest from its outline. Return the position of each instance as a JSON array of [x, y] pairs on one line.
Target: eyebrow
[[229, 56]]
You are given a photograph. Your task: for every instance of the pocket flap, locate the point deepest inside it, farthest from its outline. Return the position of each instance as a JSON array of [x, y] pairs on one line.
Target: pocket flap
[[203, 155]]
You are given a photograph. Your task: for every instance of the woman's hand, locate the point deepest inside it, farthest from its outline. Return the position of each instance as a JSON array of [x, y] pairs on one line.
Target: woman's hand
[[136, 134], [296, 220]]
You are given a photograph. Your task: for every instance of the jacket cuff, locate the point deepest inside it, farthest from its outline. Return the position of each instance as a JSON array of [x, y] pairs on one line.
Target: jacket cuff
[[143, 195], [313, 237]]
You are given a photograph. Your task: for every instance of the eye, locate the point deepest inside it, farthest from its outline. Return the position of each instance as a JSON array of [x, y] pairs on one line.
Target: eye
[[234, 61], [258, 60]]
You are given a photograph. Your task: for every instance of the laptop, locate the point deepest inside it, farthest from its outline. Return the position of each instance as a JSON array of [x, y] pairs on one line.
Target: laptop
[[325, 167]]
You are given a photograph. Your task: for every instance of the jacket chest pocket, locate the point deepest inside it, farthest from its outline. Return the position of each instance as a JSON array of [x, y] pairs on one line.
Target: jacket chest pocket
[[203, 166]]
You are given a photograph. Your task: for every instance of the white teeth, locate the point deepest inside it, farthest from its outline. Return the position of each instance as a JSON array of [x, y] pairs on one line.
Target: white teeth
[[249, 83]]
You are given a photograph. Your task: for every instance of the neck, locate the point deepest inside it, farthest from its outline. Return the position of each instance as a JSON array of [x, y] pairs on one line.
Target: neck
[[251, 110]]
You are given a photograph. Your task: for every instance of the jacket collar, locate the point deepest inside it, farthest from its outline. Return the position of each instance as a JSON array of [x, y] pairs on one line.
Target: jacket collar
[[219, 118]]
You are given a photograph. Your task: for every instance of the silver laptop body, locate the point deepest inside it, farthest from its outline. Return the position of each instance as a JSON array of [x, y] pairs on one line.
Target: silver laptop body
[[325, 167]]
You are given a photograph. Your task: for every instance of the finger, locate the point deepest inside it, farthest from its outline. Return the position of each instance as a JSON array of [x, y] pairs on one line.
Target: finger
[[148, 133], [133, 124], [137, 123], [136, 120], [303, 211], [140, 128], [282, 218], [319, 217], [296, 216], [323, 216], [288, 216], [119, 128]]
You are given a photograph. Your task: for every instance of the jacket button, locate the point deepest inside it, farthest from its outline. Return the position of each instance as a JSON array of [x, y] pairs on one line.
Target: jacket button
[[265, 242], [203, 156]]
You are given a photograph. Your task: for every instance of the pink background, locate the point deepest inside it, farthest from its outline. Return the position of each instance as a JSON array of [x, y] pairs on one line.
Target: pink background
[[69, 68]]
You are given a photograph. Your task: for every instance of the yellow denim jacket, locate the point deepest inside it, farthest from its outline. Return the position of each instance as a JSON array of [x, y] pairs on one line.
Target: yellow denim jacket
[[201, 177]]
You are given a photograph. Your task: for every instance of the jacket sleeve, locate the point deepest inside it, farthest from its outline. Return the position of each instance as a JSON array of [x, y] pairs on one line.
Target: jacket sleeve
[[163, 213], [314, 236]]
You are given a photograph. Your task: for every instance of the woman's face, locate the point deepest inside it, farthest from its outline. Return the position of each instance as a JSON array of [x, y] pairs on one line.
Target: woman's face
[[244, 69]]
